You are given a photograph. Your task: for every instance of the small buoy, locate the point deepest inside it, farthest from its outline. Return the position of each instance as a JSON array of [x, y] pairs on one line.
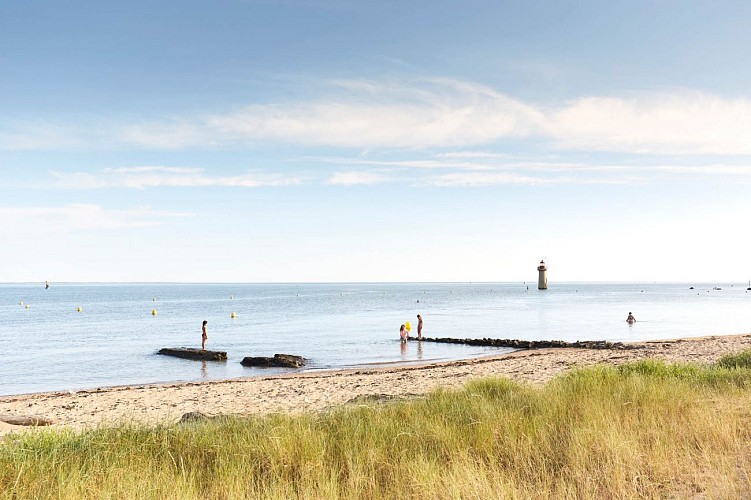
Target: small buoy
[[21, 303], [79, 309], [153, 312], [233, 315], [153, 299], [408, 326], [231, 297], [26, 306]]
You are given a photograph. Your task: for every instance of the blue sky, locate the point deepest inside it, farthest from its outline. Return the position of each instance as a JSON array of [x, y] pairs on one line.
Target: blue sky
[[258, 141]]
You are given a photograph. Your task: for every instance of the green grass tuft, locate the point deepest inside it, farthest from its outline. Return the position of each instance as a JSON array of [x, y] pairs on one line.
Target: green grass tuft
[[738, 360]]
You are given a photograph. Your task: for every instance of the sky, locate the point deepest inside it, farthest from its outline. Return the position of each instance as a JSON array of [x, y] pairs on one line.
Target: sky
[[347, 141]]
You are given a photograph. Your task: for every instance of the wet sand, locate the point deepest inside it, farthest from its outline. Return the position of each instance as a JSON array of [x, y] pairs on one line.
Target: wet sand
[[314, 391]]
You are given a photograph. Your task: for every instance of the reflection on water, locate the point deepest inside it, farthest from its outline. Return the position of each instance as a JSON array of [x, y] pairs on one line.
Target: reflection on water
[[419, 351], [404, 350], [204, 371]]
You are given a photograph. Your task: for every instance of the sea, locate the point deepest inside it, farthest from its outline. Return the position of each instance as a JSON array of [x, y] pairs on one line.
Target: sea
[[84, 336]]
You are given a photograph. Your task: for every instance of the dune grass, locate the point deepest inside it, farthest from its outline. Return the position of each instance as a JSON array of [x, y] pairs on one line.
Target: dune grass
[[640, 430]]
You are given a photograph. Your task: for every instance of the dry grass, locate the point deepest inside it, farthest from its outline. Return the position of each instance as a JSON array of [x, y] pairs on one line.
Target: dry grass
[[644, 430]]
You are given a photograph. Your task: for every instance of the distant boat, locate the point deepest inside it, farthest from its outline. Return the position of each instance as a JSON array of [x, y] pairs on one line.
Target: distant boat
[[749, 286], [716, 288], [46, 285]]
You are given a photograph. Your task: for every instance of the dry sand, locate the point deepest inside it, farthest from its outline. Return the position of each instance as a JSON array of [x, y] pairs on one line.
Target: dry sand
[[317, 390]]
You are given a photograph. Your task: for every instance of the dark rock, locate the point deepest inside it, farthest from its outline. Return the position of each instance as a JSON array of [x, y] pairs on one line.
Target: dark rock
[[194, 416], [193, 353], [372, 398], [279, 360], [26, 420]]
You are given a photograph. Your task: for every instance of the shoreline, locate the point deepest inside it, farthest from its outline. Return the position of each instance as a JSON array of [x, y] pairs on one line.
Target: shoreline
[[317, 390]]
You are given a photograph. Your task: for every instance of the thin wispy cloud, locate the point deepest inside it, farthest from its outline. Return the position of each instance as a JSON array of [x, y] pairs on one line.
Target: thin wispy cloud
[[142, 177], [479, 179], [482, 170], [354, 178], [79, 217], [431, 113], [486, 179], [714, 169]]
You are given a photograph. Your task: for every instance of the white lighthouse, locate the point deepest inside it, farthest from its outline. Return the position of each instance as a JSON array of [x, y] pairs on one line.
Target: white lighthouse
[[542, 280]]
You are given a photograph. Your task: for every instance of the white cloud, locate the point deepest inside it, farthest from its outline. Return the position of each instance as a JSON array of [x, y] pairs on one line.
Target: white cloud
[[478, 179], [714, 169], [450, 113], [430, 113], [357, 178], [444, 113], [78, 217], [159, 176], [481, 179], [678, 122]]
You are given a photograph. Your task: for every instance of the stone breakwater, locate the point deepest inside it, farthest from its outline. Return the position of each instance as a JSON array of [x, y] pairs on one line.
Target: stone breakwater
[[532, 344]]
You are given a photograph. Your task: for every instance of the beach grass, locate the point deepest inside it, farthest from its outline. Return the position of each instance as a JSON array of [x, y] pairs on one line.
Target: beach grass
[[646, 430]]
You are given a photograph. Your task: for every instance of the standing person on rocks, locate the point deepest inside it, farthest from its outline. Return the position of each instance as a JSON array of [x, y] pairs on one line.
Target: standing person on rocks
[[419, 327], [204, 336]]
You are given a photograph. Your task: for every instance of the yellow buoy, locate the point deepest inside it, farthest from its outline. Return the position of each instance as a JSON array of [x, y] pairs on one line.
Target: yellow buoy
[[153, 312], [233, 315], [79, 309], [408, 326]]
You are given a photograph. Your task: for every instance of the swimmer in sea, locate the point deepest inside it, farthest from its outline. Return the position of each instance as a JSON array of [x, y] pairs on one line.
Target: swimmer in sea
[[630, 318]]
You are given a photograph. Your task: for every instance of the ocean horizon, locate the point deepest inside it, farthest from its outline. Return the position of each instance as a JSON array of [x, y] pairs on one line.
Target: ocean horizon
[[51, 346]]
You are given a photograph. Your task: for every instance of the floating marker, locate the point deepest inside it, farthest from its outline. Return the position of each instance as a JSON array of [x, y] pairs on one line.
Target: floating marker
[[79, 309], [231, 296], [153, 312], [21, 303], [233, 315], [153, 299], [26, 306]]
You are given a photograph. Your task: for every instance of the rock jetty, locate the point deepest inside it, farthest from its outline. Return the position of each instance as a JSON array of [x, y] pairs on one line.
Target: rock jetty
[[531, 344]]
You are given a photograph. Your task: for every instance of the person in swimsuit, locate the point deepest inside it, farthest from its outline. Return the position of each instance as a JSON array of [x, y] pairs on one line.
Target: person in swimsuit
[[204, 336], [419, 327], [630, 318], [403, 333]]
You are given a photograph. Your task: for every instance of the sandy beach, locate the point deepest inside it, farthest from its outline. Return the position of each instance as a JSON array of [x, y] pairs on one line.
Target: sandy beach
[[314, 391]]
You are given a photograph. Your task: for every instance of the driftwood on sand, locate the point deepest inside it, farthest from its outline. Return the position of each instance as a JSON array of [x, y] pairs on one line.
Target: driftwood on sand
[[279, 360], [26, 420], [193, 353], [531, 344]]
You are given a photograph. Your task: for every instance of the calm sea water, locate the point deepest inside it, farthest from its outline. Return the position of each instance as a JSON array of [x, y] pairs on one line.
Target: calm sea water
[[50, 346]]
